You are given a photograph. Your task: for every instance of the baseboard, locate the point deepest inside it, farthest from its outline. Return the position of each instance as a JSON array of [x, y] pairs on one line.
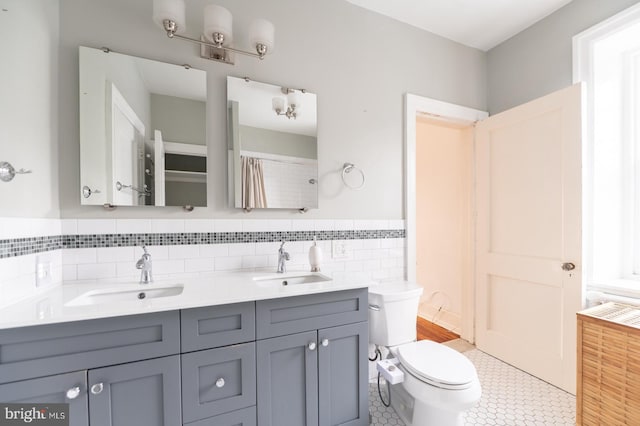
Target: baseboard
[[452, 321]]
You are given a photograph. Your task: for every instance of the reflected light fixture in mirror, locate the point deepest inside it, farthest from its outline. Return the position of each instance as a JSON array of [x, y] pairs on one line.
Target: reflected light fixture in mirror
[[218, 31], [292, 110]]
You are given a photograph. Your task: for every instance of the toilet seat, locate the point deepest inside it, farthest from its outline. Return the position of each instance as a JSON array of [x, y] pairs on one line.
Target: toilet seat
[[437, 365]]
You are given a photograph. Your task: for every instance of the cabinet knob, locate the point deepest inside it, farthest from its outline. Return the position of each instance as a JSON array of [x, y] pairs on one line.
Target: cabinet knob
[[312, 346], [220, 382], [73, 393], [568, 266], [325, 342], [97, 388]]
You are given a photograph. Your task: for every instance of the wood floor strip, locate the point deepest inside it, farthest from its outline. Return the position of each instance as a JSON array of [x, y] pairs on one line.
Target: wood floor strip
[[429, 331]]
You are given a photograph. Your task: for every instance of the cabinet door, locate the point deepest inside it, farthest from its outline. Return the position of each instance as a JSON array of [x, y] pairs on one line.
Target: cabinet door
[[288, 380], [343, 372], [144, 393], [70, 388]]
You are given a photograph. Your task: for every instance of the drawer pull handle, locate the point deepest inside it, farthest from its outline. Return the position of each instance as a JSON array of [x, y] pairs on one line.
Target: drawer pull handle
[[220, 382], [312, 346], [73, 393], [97, 388], [325, 342]]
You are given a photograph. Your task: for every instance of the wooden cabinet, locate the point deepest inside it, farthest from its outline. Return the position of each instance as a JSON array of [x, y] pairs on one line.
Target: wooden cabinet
[[608, 388]]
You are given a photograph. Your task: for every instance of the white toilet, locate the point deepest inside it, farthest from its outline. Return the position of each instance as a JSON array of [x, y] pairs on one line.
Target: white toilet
[[440, 383]]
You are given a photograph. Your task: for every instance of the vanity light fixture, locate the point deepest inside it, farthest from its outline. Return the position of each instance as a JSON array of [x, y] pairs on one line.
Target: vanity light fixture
[[290, 107], [218, 35]]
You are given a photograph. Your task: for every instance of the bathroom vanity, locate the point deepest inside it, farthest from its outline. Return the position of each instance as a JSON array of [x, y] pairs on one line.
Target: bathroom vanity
[[287, 360]]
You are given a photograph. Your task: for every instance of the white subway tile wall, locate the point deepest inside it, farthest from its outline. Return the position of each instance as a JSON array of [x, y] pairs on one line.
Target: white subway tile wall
[[380, 258], [288, 184]]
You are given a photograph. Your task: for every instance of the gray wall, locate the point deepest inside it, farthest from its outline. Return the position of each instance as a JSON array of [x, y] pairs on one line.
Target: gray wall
[[28, 107], [359, 63], [180, 120], [538, 60], [281, 143]]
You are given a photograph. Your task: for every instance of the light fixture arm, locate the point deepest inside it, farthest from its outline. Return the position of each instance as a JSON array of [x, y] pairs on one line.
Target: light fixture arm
[[289, 113], [171, 27]]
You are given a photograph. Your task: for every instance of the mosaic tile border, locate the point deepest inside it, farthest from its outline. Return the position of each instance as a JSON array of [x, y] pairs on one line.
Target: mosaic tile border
[[24, 246]]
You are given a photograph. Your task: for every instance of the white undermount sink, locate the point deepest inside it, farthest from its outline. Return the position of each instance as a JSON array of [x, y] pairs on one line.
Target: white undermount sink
[[292, 279], [115, 295]]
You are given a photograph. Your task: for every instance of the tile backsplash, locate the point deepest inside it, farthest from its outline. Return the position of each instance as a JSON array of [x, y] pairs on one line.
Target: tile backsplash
[[104, 249]]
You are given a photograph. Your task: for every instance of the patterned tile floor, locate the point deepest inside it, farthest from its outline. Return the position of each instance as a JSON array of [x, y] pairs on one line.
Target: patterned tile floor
[[510, 397]]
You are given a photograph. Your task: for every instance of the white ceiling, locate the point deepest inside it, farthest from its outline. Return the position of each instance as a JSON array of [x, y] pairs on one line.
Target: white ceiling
[[256, 108], [482, 24]]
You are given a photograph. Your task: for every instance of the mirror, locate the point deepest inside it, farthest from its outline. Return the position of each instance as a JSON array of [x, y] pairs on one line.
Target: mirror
[[142, 131], [272, 146]]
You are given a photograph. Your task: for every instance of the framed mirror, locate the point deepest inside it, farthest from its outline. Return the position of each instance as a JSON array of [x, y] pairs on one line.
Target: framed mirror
[[272, 146], [142, 131]]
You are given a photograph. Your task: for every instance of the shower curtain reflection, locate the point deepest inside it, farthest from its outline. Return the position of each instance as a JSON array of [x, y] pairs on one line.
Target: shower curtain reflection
[[253, 189]]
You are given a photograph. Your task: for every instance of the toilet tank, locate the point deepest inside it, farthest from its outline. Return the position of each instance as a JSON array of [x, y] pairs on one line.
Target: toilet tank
[[393, 308]]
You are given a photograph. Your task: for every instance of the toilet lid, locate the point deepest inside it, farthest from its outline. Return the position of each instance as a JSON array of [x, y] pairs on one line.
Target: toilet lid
[[437, 364]]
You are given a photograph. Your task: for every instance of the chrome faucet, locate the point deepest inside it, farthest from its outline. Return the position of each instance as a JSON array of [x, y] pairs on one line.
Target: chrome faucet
[[283, 256], [144, 264]]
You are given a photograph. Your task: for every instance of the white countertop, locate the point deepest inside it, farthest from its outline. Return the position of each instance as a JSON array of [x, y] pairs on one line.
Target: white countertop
[[51, 306]]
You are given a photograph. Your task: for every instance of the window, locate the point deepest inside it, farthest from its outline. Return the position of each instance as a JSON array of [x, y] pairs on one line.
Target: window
[[607, 58]]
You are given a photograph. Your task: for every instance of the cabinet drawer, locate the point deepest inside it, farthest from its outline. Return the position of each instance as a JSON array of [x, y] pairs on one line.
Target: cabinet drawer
[[216, 326], [244, 417], [217, 381], [51, 349], [278, 317]]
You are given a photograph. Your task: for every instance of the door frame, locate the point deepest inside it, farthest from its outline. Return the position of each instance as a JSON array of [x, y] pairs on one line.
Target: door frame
[[446, 112]]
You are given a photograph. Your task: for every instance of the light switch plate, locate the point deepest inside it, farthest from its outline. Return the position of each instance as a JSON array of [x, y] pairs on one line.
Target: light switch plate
[[339, 249], [43, 271]]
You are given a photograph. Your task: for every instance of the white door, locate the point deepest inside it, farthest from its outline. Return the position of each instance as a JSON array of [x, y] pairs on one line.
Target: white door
[[125, 138], [125, 149], [528, 163], [158, 171]]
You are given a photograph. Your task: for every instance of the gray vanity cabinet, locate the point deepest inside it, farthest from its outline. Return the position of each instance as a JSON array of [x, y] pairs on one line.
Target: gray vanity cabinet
[[317, 376], [70, 388], [288, 380], [343, 370], [144, 393], [244, 417], [291, 361], [217, 381]]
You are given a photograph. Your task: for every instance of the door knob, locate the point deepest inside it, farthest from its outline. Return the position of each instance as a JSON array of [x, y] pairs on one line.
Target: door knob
[[73, 393], [568, 266], [97, 388]]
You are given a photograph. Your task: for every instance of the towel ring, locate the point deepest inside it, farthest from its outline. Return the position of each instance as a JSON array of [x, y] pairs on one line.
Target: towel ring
[[348, 168]]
